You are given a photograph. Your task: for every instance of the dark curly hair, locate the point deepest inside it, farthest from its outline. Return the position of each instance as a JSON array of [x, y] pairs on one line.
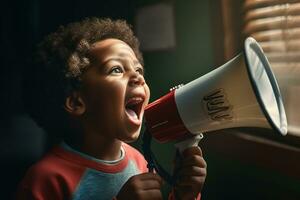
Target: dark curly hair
[[58, 64]]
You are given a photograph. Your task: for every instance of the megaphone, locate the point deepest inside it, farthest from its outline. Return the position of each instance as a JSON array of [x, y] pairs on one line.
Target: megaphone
[[241, 93]]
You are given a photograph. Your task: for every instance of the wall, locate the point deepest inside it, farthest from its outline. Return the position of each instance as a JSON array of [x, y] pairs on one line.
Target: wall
[[23, 25], [231, 175]]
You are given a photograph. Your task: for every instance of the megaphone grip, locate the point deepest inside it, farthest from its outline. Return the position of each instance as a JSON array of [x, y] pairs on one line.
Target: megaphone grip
[[189, 142]]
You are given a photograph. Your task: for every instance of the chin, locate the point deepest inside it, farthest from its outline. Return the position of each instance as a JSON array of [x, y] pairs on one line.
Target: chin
[[131, 138]]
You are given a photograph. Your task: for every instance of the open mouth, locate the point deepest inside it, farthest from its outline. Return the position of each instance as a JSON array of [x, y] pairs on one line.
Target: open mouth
[[133, 108]]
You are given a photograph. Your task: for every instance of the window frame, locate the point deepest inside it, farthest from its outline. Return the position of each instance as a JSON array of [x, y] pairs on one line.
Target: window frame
[[266, 148]]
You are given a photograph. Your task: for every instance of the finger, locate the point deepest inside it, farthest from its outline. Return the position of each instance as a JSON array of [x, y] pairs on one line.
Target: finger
[[191, 181], [150, 176], [151, 195], [191, 176], [192, 171], [150, 184], [195, 160], [192, 151]]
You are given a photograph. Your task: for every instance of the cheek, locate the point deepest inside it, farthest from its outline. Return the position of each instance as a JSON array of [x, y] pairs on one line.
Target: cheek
[[105, 100], [148, 93]]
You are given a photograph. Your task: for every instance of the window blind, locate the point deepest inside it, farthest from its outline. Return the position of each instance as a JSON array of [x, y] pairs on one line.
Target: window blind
[[275, 24]]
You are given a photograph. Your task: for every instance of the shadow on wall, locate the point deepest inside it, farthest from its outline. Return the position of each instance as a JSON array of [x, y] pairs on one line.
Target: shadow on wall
[[23, 25], [22, 143]]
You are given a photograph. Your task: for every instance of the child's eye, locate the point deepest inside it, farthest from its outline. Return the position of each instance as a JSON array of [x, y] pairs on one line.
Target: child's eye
[[140, 71], [116, 70]]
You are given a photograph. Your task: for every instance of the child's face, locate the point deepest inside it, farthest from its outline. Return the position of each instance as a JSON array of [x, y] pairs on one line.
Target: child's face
[[114, 91]]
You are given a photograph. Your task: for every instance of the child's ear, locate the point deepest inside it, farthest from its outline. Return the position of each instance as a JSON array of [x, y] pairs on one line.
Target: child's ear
[[74, 104]]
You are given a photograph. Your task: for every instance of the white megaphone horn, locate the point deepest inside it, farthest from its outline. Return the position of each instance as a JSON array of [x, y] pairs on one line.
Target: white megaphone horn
[[241, 93]]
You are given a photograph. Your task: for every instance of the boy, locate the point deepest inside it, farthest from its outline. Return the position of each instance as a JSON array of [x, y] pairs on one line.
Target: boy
[[90, 87]]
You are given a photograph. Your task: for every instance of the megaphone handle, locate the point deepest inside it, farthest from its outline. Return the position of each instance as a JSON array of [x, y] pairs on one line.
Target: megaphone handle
[[189, 142]]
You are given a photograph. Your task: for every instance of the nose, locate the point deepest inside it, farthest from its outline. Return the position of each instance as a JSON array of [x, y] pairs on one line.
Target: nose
[[136, 79]]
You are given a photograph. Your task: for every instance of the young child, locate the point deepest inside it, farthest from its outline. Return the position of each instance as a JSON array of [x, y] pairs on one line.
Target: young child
[[89, 90]]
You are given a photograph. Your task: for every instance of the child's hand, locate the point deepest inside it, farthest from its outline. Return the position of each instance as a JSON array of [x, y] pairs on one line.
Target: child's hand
[[142, 187], [191, 174]]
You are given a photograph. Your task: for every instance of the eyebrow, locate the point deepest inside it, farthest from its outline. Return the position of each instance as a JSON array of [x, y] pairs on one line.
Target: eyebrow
[[135, 62]]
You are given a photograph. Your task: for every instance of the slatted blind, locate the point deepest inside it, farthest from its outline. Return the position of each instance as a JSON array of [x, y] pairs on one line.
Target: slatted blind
[[275, 24]]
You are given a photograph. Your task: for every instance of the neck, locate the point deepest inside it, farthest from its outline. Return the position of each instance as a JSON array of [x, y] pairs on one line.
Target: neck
[[104, 150], [98, 146]]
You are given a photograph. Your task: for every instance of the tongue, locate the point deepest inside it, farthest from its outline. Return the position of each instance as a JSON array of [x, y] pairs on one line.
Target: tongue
[[131, 113]]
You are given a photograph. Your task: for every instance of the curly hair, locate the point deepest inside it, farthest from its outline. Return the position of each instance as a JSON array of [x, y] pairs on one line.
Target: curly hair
[[59, 62]]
